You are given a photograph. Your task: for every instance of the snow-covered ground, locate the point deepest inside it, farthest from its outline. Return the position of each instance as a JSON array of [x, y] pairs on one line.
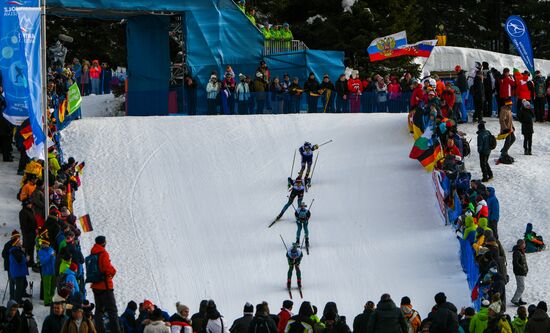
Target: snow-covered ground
[[523, 190], [102, 106], [185, 204]]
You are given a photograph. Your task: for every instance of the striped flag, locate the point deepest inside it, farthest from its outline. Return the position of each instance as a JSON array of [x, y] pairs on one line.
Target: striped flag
[[69, 197], [80, 167], [86, 223]]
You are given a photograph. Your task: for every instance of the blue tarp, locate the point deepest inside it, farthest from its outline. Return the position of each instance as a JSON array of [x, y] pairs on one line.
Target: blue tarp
[[148, 65]]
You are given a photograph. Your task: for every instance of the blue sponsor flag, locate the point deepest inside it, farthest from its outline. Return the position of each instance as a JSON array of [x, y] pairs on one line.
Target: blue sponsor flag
[[14, 71], [29, 40], [517, 31]]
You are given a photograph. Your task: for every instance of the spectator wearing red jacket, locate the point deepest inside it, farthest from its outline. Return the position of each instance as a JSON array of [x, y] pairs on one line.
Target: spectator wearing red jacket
[[507, 85], [95, 74], [284, 315], [103, 291], [354, 88]]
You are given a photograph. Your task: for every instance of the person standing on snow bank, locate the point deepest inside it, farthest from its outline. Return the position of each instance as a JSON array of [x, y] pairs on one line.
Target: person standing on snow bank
[[484, 150], [298, 190], [520, 267], [525, 117], [103, 291], [361, 321], [242, 325], [444, 318], [262, 321], [387, 318], [507, 127], [215, 323], [294, 256], [302, 219]]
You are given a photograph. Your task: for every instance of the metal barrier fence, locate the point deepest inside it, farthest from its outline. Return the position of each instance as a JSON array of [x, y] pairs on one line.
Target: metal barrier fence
[[279, 46]]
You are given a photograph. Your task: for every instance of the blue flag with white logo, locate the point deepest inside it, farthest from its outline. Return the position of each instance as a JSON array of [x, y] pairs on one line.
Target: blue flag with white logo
[[517, 31], [15, 79]]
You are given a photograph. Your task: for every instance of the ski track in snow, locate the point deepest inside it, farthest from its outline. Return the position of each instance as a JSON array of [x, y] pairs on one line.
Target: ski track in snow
[[521, 189]]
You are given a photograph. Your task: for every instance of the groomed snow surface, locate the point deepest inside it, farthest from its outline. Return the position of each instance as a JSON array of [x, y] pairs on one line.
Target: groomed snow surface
[[185, 203], [523, 191]]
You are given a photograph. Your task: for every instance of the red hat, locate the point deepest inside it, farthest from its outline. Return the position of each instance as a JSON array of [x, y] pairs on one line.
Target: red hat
[[147, 304], [73, 267], [458, 68]]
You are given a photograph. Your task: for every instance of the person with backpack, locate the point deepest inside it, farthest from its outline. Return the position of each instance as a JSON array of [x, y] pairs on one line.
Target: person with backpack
[[332, 321], [242, 324], [100, 273], [387, 318], [411, 315], [285, 315], [444, 317], [506, 128], [127, 320], [301, 323], [525, 117], [262, 322], [484, 149]]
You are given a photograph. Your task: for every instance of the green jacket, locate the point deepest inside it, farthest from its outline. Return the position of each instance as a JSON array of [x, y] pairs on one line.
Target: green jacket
[[479, 321], [483, 223], [470, 226], [518, 325], [54, 164], [251, 18], [267, 33], [276, 35], [286, 35]]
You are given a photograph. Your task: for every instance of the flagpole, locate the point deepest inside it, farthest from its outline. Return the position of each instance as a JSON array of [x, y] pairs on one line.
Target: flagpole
[[44, 106]]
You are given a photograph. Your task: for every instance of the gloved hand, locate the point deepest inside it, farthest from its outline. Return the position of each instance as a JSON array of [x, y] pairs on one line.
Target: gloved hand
[[316, 147]]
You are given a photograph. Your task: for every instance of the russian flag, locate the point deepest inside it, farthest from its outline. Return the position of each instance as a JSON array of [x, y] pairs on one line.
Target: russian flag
[[385, 47], [421, 49]]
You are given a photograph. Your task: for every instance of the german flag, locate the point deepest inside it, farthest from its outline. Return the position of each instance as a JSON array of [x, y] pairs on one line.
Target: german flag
[[62, 111], [26, 133], [425, 152], [86, 223]]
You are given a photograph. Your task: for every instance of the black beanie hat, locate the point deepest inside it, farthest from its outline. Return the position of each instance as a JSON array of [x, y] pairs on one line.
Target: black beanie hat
[[100, 240], [405, 300], [287, 304], [440, 298], [132, 306], [542, 305]]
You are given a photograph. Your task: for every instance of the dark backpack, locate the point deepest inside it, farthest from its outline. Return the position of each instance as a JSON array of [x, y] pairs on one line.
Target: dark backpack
[[93, 274], [492, 141], [261, 326], [465, 148], [296, 327], [64, 288]]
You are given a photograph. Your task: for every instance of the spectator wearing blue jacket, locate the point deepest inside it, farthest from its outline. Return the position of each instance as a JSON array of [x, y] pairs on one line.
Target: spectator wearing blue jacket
[[494, 210], [18, 270], [128, 319], [70, 273], [46, 257]]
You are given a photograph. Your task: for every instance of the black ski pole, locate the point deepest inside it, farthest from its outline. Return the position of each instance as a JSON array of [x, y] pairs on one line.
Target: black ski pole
[[283, 242], [311, 204], [293, 160]]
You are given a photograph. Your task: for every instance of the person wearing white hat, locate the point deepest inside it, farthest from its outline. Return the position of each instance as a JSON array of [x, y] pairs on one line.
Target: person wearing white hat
[[525, 117], [212, 91]]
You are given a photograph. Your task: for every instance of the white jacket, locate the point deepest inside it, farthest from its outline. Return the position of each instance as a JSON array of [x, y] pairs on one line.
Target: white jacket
[[157, 327], [215, 326]]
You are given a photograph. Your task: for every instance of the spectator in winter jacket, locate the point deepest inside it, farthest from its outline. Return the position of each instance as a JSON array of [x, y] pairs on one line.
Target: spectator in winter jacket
[[27, 223], [540, 95], [444, 317], [519, 264], [484, 150], [519, 322], [77, 323], [128, 321], [212, 91], [387, 318], [361, 321], [95, 76], [506, 88], [478, 93], [341, 88], [467, 316], [54, 322], [462, 84], [506, 126], [199, 319], [147, 308], [103, 291], [10, 319], [327, 94], [215, 323], [262, 322], [311, 88], [156, 324], [525, 117], [354, 88], [29, 187], [295, 92], [181, 315], [46, 257], [27, 322], [332, 321], [18, 269], [479, 321], [494, 210], [302, 321], [106, 77], [539, 321], [260, 89], [284, 315], [242, 324], [411, 315]]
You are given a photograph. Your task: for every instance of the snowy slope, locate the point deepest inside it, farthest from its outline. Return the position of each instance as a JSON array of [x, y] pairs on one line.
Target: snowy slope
[[523, 190], [102, 105], [185, 203]]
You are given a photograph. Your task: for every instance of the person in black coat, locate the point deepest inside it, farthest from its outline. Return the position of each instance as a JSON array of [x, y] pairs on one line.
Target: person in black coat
[[262, 321], [327, 98], [54, 322], [311, 88], [539, 322], [341, 88], [6, 134], [361, 322], [333, 322], [478, 93], [27, 223], [242, 324], [387, 318], [525, 117], [444, 318], [198, 319], [302, 321], [10, 319]]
